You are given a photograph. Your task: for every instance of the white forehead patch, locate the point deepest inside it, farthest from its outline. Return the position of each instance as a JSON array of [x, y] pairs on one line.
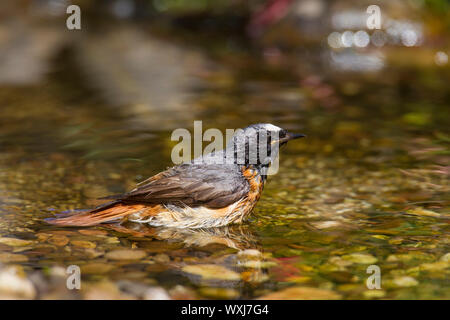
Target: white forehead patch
[[271, 127]]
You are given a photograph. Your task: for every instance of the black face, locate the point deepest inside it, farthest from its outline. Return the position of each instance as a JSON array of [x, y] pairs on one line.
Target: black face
[[285, 136], [291, 136], [282, 135], [259, 144]]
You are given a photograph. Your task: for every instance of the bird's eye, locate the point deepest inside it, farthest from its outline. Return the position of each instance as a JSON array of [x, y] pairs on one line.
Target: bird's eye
[[282, 134]]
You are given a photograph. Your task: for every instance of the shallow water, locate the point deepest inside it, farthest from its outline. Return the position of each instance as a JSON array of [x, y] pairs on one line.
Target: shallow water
[[368, 186]]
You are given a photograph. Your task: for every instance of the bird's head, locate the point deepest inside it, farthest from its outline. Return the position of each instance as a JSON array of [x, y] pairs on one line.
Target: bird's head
[[258, 144]]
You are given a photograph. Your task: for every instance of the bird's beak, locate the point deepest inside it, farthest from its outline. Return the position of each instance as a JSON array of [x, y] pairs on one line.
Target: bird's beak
[[291, 136]]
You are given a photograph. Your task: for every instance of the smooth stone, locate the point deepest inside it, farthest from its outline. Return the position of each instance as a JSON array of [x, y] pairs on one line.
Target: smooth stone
[[302, 293], [374, 294], [93, 232], [161, 258], [435, 266], [83, 244], [10, 257], [249, 253], [96, 268], [104, 290], [219, 293], [325, 224], [126, 255], [212, 272], [15, 286], [58, 240], [405, 282], [156, 293], [360, 258], [14, 242], [445, 257], [423, 212]]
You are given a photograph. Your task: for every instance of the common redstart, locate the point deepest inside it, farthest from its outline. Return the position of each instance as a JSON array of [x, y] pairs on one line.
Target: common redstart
[[213, 190]]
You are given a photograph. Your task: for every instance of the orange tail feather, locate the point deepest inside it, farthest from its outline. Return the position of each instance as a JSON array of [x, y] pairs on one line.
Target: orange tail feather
[[109, 213]]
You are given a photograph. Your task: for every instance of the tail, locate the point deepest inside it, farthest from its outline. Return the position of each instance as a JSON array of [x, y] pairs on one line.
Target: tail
[[109, 212]]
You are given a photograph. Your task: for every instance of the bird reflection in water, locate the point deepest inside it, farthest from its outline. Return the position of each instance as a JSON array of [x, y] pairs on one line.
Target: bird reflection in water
[[237, 237]]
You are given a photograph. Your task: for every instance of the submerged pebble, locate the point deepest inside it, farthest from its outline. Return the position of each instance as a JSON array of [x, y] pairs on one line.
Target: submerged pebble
[[219, 293], [423, 212], [83, 244], [405, 281], [126, 255], [96, 268], [374, 294], [10, 257], [14, 242], [212, 272], [302, 293], [360, 258], [15, 286]]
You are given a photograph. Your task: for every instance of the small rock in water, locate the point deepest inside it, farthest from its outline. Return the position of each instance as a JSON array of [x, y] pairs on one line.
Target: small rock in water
[[161, 258], [374, 294], [405, 282], [10, 257], [212, 272], [360, 258], [104, 290], [143, 291], [325, 224], [249, 253], [58, 272], [83, 244], [446, 257], [14, 242], [423, 212], [58, 240], [435, 266], [126, 255], [96, 268], [89, 232], [155, 293], [13, 286], [219, 293], [180, 292], [302, 293]]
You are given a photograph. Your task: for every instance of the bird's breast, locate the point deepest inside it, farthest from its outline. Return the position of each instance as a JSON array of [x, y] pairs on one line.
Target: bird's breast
[[254, 180], [256, 185]]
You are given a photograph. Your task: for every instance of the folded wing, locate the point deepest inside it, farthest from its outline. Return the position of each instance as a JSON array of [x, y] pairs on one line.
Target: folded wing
[[212, 186]]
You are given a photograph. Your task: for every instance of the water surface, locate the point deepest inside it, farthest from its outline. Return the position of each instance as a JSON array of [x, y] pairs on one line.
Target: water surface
[[369, 186]]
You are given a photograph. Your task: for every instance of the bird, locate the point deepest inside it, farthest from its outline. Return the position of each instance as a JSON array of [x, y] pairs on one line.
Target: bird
[[213, 190]]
